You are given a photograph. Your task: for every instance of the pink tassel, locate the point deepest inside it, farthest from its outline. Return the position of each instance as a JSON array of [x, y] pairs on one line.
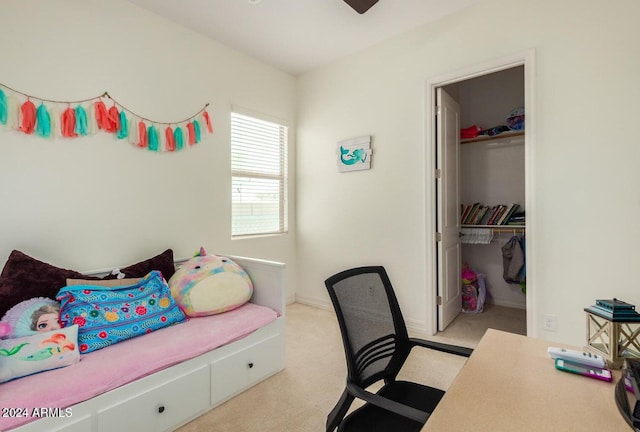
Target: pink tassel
[[114, 119], [28, 123], [170, 140], [102, 116], [68, 123], [191, 133], [205, 114], [142, 131]]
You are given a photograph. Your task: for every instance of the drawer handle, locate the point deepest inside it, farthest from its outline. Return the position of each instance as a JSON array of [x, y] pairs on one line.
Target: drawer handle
[[250, 365], [161, 409]]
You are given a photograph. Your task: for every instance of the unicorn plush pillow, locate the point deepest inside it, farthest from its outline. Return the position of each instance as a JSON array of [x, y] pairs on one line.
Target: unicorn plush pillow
[[210, 284]]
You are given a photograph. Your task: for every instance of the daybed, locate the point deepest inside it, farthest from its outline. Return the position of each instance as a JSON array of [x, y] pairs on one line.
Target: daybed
[[162, 380]]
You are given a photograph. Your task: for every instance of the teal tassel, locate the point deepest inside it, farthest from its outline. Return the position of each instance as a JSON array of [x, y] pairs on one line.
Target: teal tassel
[[123, 132], [152, 138], [43, 121], [179, 137], [196, 128], [81, 127], [4, 108]]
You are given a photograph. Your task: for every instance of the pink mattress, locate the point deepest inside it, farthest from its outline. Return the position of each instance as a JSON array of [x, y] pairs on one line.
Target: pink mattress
[[122, 363]]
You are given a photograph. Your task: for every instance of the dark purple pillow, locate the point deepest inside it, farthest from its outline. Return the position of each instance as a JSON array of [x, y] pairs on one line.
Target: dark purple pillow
[[24, 277], [162, 262]]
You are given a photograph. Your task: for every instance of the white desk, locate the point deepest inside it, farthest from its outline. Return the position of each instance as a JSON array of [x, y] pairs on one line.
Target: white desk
[[510, 384]]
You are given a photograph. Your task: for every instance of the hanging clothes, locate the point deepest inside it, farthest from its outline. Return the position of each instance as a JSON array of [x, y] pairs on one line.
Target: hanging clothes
[[523, 271], [513, 261]]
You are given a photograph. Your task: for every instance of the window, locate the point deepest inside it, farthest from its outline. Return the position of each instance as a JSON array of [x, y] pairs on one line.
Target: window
[[258, 176]]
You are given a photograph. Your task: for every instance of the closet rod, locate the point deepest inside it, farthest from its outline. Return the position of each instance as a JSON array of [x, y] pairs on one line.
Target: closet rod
[[515, 229]]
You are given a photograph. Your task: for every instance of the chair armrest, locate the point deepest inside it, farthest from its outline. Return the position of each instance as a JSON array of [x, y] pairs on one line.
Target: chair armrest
[[388, 404], [451, 349]]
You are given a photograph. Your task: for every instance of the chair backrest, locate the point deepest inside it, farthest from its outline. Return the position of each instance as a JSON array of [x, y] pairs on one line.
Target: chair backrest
[[374, 334]]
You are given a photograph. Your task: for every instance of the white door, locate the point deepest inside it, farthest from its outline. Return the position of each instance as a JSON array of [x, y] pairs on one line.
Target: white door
[[448, 209]]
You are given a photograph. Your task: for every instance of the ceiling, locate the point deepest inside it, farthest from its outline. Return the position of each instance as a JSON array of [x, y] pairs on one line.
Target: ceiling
[[299, 35]]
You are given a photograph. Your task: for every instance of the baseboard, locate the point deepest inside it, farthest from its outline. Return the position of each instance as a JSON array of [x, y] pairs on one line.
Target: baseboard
[[415, 326], [310, 301]]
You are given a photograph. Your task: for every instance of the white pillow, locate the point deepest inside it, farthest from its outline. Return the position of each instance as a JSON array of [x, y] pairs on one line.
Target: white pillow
[[39, 352]]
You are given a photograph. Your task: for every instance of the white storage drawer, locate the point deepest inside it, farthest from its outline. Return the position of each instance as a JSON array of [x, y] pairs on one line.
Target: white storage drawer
[[161, 408], [232, 373], [78, 425], [74, 423]]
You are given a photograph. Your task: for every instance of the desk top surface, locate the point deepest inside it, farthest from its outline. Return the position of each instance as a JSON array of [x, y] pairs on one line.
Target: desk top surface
[[511, 384]]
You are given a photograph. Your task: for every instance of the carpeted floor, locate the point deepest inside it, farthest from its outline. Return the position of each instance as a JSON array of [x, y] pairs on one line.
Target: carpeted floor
[[467, 329], [299, 398]]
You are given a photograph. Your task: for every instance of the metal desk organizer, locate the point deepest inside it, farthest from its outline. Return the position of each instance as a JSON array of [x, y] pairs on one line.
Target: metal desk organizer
[[613, 327]]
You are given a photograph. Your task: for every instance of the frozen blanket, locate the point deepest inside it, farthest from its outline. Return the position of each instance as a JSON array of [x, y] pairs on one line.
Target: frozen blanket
[[119, 364]]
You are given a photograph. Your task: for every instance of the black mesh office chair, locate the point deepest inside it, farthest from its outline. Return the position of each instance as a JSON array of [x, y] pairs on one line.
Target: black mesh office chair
[[376, 345]]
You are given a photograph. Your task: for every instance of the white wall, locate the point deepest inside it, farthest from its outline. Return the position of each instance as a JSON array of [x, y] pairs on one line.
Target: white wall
[[93, 203], [586, 204]]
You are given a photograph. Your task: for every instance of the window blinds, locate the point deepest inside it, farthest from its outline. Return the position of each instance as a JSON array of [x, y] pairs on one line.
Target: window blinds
[[259, 176]]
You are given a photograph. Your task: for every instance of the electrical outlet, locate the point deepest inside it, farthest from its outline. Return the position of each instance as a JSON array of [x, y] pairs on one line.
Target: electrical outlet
[[549, 322]]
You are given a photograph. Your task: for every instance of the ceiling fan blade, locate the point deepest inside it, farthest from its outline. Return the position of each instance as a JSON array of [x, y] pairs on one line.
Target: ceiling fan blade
[[361, 6]]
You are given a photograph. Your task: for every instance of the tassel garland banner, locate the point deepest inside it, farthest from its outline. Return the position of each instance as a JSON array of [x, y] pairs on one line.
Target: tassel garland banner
[[28, 117], [4, 107], [82, 126], [178, 138], [68, 127], [43, 121], [124, 126], [169, 140], [142, 134], [152, 138], [72, 119]]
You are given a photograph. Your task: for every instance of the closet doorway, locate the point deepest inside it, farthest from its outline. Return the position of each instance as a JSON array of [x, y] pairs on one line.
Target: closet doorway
[[485, 171]]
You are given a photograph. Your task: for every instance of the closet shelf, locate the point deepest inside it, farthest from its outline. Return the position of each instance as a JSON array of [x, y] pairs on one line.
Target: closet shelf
[[486, 234], [485, 138], [516, 229]]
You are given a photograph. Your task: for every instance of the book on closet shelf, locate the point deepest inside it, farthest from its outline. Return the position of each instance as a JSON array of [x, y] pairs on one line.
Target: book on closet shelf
[[464, 211], [497, 214], [492, 214], [470, 213], [472, 210], [510, 214], [502, 215], [488, 215], [506, 214], [518, 218], [480, 215], [474, 214]]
